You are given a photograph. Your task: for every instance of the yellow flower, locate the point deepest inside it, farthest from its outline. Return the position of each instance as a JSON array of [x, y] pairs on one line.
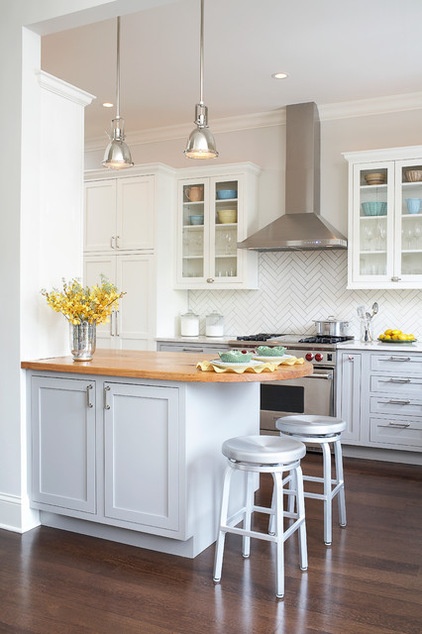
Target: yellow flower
[[78, 303]]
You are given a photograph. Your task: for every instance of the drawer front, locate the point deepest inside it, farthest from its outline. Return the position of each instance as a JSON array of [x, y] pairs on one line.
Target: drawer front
[[399, 406], [399, 386], [397, 433], [397, 363]]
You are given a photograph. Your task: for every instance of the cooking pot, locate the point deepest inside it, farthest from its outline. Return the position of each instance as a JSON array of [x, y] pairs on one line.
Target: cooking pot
[[331, 327]]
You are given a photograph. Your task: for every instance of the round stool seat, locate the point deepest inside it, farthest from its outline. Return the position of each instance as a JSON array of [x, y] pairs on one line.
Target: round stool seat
[[309, 425], [264, 450]]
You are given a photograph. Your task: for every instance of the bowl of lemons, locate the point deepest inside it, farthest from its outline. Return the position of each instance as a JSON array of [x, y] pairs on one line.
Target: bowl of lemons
[[394, 335]]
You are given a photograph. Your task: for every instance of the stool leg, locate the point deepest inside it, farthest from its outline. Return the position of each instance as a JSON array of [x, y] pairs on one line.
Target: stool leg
[[279, 530], [300, 504], [247, 522], [326, 455], [219, 547], [338, 453]]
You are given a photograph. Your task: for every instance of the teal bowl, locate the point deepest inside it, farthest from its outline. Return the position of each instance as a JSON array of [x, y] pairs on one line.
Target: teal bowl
[[374, 208], [223, 194]]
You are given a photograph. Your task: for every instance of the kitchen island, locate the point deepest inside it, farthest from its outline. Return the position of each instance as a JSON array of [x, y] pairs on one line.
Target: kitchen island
[[127, 446]]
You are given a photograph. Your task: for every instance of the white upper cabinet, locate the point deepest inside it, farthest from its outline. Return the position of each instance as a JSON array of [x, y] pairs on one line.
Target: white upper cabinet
[[215, 207], [385, 218], [119, 214]]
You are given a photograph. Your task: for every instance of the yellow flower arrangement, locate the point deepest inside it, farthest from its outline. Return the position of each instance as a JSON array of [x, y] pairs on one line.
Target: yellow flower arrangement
[[78, 303]]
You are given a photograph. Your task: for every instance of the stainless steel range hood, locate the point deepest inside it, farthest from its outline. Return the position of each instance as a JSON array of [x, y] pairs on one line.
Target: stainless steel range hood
[[302, 227]]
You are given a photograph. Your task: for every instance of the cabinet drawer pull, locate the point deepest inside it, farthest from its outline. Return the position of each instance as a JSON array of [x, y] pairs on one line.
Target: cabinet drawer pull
[[396, 425], [395, 381], [398, 359], [88, 399], [112, 241], [396, 401], [117, 242], [111, 324], [192, 350], [106, 389], [116, 323]]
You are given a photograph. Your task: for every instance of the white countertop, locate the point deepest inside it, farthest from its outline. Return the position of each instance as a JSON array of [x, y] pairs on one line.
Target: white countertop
[[379, 346]]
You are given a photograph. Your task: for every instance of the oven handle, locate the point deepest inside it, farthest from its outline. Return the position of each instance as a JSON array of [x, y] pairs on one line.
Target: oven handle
[[321, 375]]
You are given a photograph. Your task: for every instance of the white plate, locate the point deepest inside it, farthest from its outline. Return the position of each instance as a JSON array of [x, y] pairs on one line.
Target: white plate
[[273, 359], [239, 366]]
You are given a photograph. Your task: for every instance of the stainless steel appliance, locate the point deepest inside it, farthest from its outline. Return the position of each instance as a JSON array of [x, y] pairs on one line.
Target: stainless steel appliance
[[314, 394]]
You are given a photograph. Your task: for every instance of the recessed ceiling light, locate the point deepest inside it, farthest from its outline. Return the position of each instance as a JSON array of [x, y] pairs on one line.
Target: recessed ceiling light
[[279, 75], [107, 104]]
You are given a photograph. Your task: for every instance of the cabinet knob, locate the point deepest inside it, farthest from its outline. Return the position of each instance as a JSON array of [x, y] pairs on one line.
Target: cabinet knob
[[395, 278], [210, 280], [351, 357]]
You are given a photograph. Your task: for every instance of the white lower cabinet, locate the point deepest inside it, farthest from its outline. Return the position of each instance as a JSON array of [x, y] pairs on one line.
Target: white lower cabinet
[[63, 444], [130, 327], [349, 372], [141, 466], [109, 452], [380, 397]]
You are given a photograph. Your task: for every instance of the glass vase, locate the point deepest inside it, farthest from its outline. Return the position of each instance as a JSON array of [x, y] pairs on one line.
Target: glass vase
[[82, 341]]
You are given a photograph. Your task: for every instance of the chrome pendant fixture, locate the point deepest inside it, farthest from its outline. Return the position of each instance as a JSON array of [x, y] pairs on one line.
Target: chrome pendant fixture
[[201, 144], [117, 155]]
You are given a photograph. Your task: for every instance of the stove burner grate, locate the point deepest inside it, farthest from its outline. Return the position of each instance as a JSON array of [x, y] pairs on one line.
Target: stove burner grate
[[262, 336], [325, 339]]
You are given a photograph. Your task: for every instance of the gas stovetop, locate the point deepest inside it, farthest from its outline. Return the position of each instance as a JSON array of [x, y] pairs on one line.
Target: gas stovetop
[[285, 339]]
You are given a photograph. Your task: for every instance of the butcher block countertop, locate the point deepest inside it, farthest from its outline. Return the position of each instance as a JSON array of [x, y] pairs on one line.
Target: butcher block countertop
[[164, 366]]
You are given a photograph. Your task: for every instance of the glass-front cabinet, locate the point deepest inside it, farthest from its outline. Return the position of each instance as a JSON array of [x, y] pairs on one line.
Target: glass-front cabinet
[[385, 218], [215, 212]]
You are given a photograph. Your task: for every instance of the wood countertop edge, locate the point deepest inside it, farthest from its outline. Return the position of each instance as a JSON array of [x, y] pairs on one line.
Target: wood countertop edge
[[155, 366]]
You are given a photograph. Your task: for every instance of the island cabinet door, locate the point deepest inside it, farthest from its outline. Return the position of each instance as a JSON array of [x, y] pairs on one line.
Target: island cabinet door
[[142, 454], [63, 444]]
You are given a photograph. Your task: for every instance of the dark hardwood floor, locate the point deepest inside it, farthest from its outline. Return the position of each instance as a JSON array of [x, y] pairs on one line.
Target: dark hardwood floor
[[369, 581]]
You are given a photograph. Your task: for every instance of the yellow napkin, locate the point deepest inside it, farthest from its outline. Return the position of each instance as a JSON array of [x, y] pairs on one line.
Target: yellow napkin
[[206, 366]]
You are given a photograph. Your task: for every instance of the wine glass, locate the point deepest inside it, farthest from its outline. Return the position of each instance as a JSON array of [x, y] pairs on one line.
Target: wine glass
[[382, 232], [368, 232], [418, 233]]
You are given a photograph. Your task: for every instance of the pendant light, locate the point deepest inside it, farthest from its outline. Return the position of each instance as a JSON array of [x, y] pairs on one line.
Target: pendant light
[[201, 144], [117, 155]]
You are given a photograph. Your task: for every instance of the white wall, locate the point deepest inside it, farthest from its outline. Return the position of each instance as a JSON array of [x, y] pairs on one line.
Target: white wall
[[19, 211]]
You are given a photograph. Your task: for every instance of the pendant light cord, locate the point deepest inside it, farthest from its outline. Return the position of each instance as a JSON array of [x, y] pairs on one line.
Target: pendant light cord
[[201, 57], [118, 71]]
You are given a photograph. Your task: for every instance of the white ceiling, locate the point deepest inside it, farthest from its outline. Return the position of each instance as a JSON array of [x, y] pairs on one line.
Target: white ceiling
[[333, 50]]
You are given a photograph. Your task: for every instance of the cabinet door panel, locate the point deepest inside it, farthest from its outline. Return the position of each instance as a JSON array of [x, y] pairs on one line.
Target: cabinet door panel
[[135, 213], [94, 267], [63, 443], [135, 276], [100, 215], [142, 456]]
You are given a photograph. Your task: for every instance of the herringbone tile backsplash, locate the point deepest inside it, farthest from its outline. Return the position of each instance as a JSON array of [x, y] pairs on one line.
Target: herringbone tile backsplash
[[296, 287]]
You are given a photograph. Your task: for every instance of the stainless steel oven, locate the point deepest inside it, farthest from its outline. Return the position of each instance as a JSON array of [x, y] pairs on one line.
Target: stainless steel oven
[[314, 394]]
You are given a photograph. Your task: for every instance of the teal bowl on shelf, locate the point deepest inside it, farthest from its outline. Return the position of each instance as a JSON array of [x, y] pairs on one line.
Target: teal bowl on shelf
[[374, 208], [413, 205], [224, 194], [196, 220]]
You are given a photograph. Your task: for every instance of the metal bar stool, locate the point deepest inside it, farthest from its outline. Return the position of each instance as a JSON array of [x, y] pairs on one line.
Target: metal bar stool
[[255, 455], [325, 431]]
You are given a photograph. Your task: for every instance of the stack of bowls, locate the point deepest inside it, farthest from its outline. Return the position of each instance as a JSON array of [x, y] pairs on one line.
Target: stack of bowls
[[226, 216], [413, 176], [375, 178]]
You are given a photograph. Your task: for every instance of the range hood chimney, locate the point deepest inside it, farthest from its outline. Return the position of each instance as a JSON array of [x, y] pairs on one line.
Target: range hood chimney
[[301, 228]]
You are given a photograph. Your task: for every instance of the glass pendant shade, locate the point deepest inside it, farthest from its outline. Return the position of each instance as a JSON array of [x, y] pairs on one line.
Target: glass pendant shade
[[117, 154], [201, 144]]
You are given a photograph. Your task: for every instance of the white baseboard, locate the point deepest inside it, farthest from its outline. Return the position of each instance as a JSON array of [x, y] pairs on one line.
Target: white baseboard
[[16, 515]]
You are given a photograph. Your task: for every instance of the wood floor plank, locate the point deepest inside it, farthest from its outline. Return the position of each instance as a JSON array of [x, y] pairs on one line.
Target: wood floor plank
[[368, 582]]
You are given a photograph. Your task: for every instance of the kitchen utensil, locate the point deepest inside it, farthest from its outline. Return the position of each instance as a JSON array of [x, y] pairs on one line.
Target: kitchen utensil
[[375, 178], [413, 205], [413, 176], [331, 327], [214, 325], [226, 193], [189, 324], [226, 216], [374, 208], [361, 312], [195, 193], [375, 308], [196, 220]]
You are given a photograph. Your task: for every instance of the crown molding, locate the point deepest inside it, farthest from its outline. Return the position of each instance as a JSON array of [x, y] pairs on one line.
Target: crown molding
[[344, 110], [62, 88]]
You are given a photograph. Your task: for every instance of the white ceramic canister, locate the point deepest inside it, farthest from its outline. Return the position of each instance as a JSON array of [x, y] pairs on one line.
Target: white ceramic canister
[[189, 324], [214, 325]]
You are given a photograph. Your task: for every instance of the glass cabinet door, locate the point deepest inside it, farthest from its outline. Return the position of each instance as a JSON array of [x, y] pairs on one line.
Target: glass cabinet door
[[409, 221], [193, 230], [375, 220], [224, 234]]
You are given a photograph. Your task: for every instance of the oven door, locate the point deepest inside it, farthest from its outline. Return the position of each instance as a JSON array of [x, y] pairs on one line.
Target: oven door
[[313, 394]]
